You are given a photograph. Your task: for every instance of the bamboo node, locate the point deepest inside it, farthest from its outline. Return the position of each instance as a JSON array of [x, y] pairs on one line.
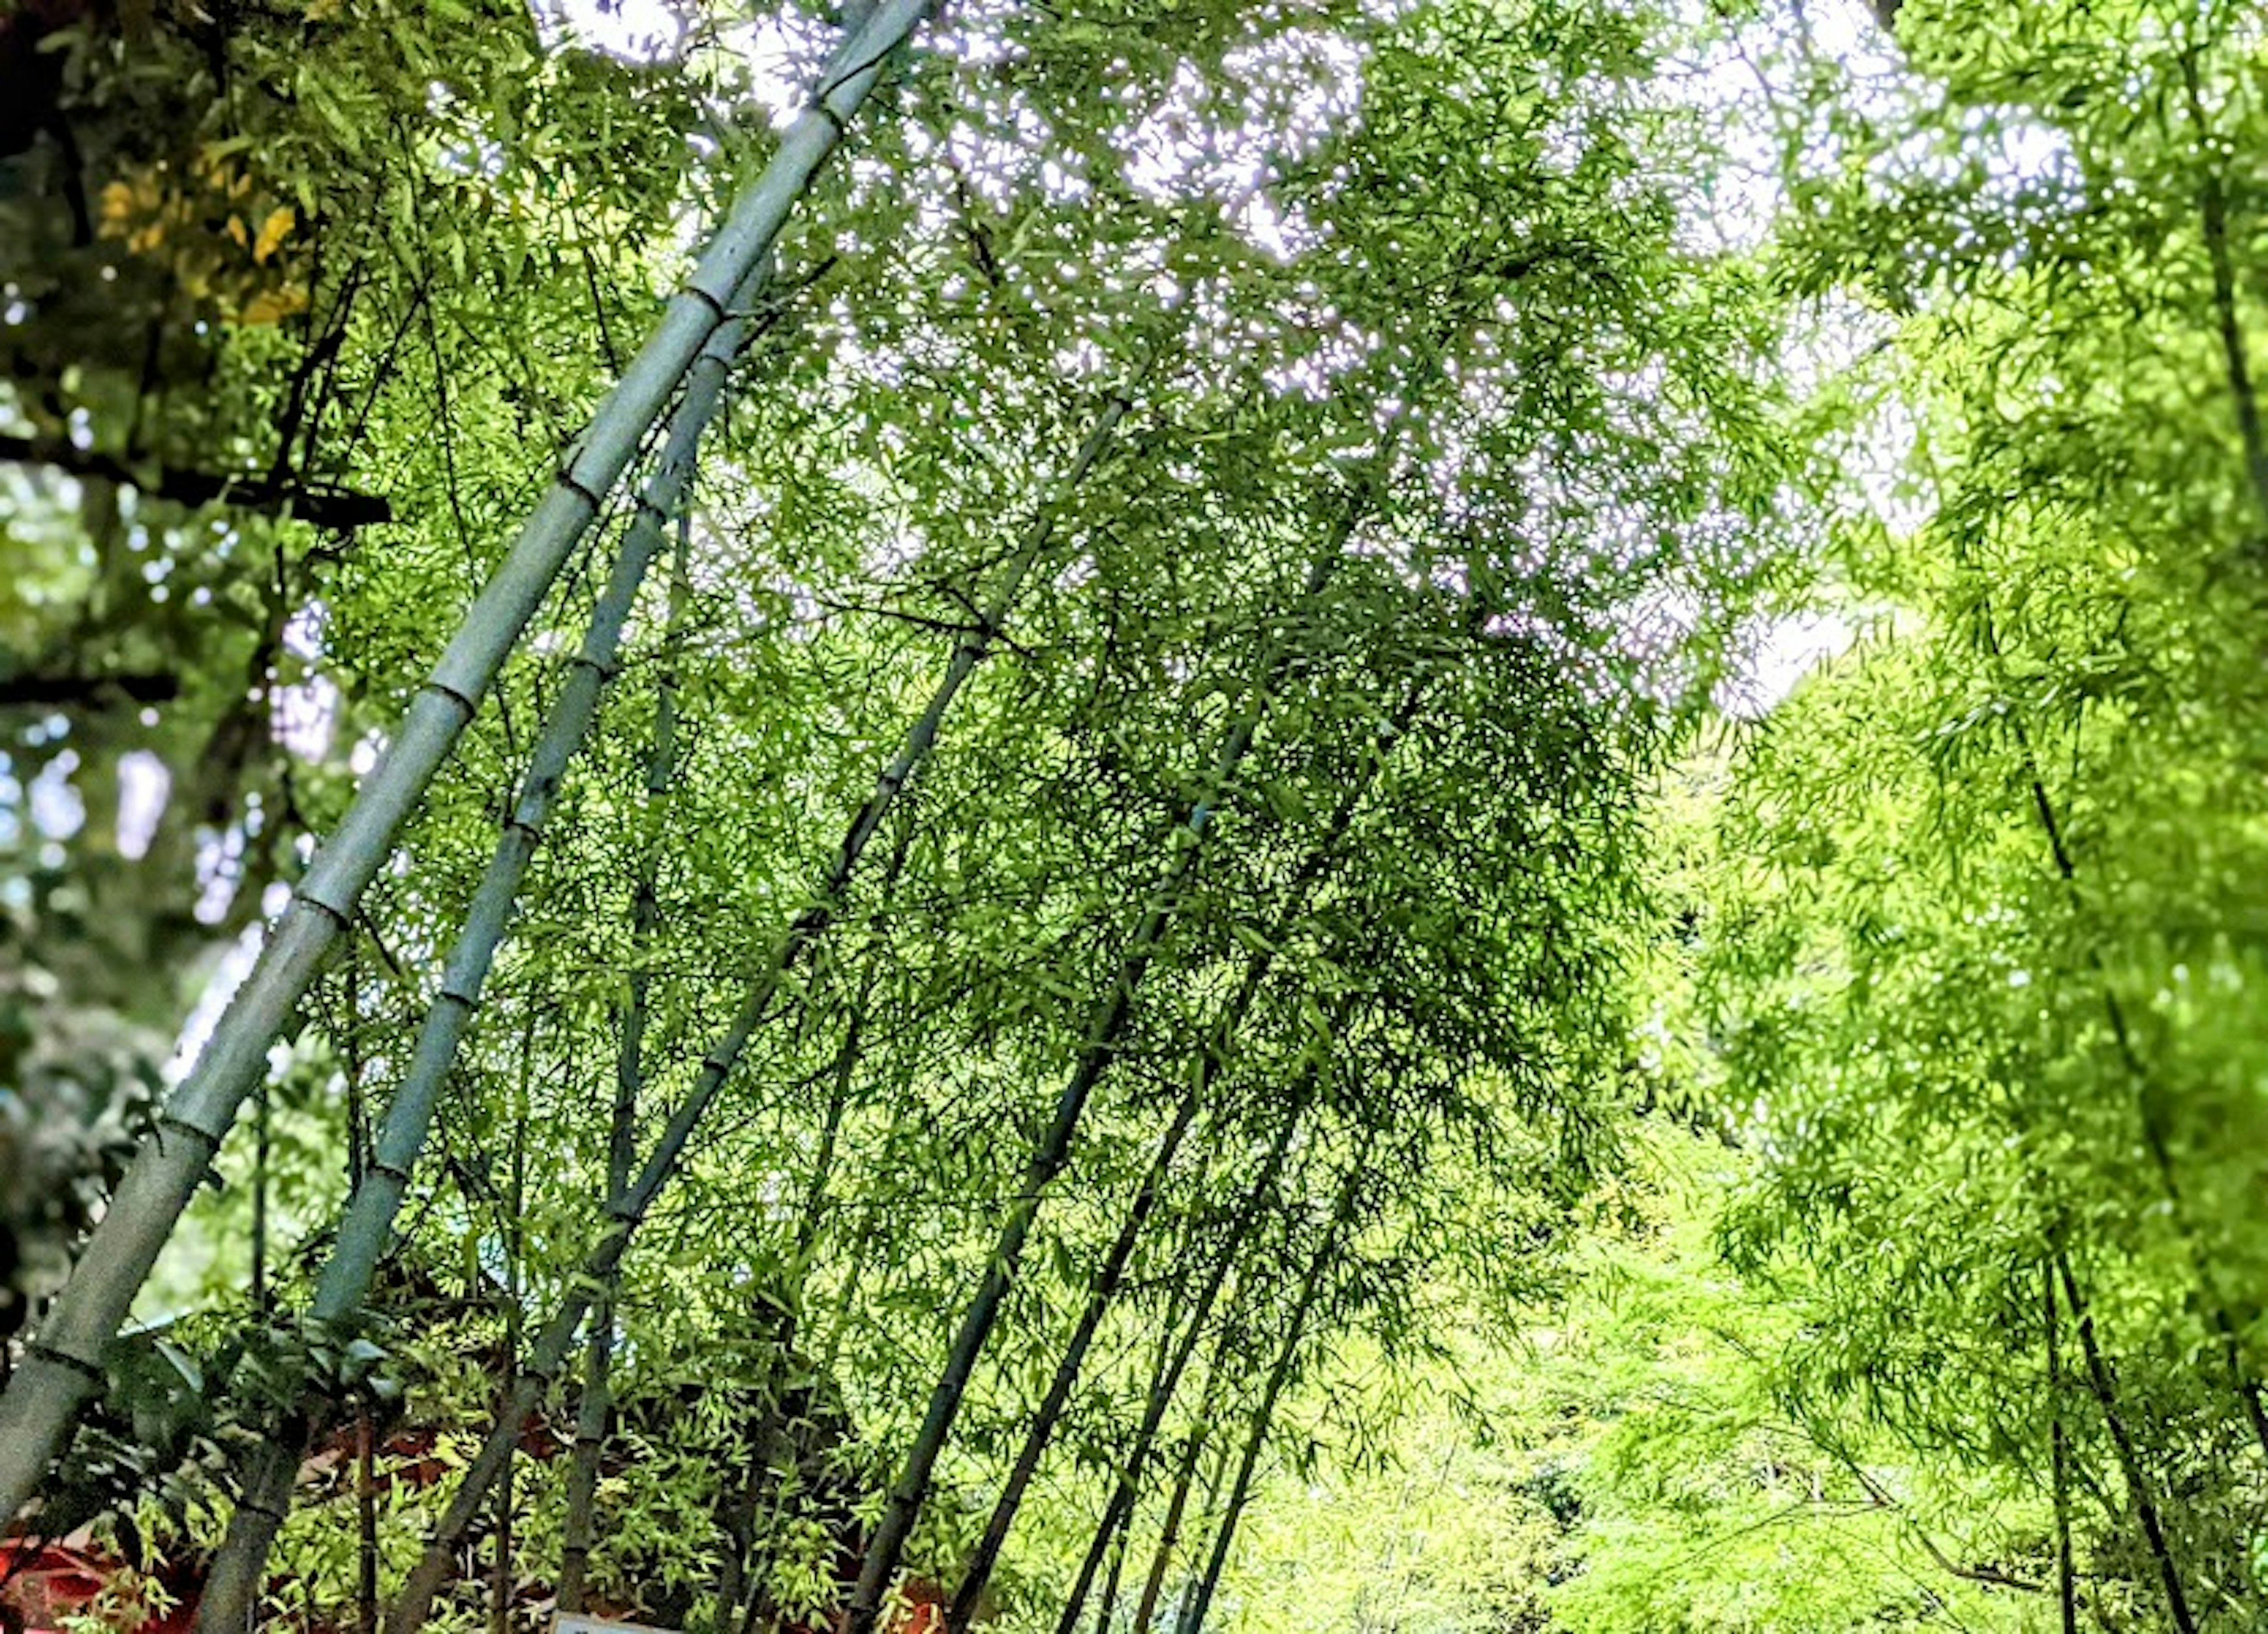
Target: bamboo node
[[66, 1359]]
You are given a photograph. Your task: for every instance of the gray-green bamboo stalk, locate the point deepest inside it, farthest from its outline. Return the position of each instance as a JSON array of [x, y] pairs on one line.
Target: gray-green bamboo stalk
[[63, 1365], [1153, 1415], [367, 1225], [591, 1411], [557, 1338], [1169, 1529], [1118, 1513], [1106, 1278]]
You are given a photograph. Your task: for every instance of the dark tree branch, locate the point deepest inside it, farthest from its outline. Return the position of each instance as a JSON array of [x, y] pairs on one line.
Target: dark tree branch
[[87, 691], [325, 507]]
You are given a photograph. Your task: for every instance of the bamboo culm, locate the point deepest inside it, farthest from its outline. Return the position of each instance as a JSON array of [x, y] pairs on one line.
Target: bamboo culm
[[1153, 1414], [367, 1227], [902, 1506], [1200, 1600], [63, 1365], [1107, 1277], [592, 1408], [2149, 1097], [2130, 1463], [1109, 1602], [1177, 1504], [556, 1339], [1119, 1511]]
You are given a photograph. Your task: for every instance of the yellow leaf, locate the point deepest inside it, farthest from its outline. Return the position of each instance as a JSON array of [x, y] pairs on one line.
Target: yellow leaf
[[117, 205], [274, 305], [237, 231], [272, 231]]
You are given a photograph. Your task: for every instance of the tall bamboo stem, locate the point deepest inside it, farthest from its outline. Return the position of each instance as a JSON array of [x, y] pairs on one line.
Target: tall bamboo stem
[[1180, 1353], [596, 1400], [557, 1338], [1106, 1278], [1264, 1415], [62, 1367], [366, 1226]]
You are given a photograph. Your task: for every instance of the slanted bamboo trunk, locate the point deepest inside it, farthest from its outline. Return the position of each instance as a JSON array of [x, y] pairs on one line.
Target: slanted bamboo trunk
[[1109, 1601], [1310, 872], [557, 1338], [500, 1568], [1107, 1277], [2138, 1488], [2150, 1107], [1112, 1014], [366, 1225], [1264, 1415], [1118, 1512], [1177, 1355], [596, 1400], [1177, 1504], [63, 1365]]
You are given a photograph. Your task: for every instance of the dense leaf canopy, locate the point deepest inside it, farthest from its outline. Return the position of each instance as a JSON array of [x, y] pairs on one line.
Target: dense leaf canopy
[[1417, 816]]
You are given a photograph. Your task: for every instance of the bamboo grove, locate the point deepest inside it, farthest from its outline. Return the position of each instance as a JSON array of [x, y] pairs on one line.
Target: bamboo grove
[[973, 814]]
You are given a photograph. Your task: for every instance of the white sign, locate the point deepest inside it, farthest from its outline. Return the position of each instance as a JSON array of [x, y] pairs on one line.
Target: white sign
[[575, 1623]]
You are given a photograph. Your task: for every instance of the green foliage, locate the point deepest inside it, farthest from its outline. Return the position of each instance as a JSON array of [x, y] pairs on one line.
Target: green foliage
[[1671, 1159]]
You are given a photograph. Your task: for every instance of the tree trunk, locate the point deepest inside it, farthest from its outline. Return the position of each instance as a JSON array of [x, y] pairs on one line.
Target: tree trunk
[[1193, 1611], [62, 1367], [557, 1336], [1107, 1277], [2236, 366], [2129, 1464], [1211, 1059], [516, 1210], [365, 1523]]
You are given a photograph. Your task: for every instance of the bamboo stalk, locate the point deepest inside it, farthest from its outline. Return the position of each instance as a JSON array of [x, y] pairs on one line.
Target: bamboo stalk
[[2059, 1459], [1169, 1530], [557, 1338], [1153, 1414], [1193, 1608], [366, 1225], [1118, 1513], [62, 1367], [1106, 1278], [591, 1411], [1211, 1061]]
